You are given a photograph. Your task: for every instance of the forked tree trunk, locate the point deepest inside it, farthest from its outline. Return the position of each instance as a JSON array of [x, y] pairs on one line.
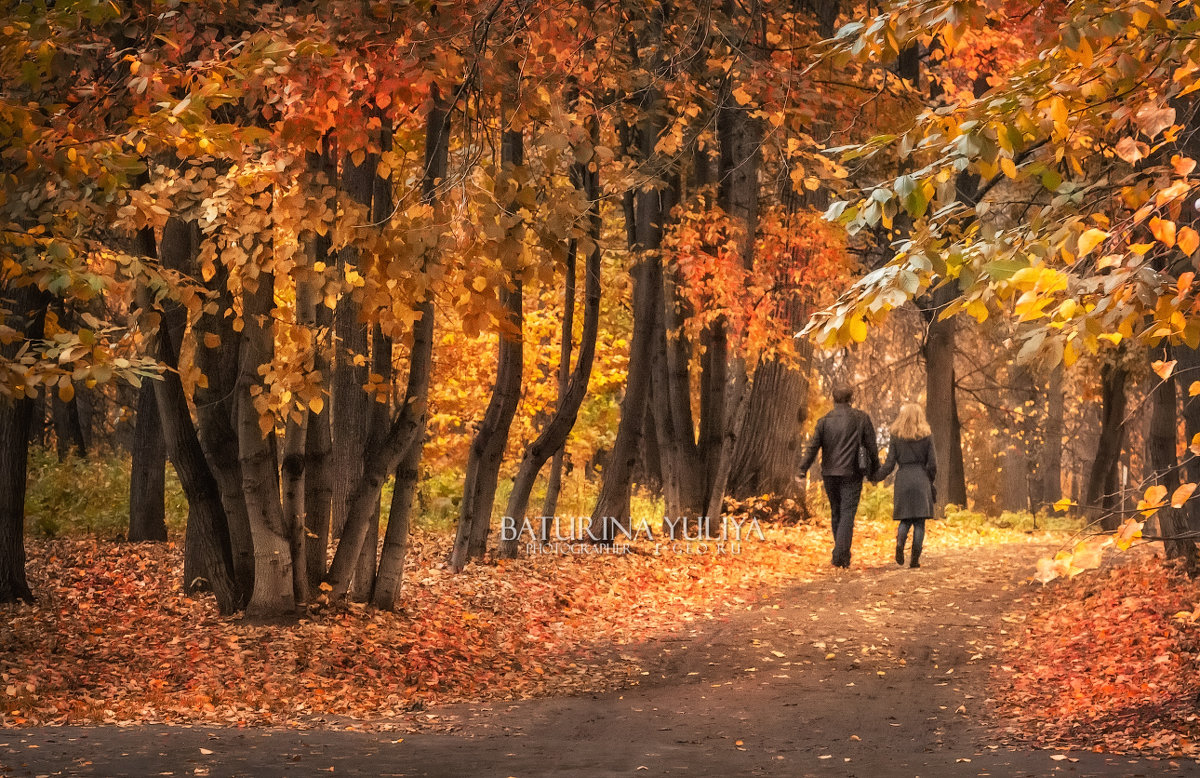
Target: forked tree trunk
[[390, 575], [273, 594], [216, 409], [208, 559], [379, 413], [487, 449], [644, 215], [27, 306], [554, 435], [554, 477], [386, 448]]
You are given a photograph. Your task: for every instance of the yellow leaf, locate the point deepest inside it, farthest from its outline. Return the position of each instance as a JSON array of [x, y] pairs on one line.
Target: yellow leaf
[[858, 329], [1062, 505], [741, 95], [316, 405], [1163, 369], [211, 340], [1090, 239], [66, 390], [1182, 494], [1194, 389], [1129, 531]]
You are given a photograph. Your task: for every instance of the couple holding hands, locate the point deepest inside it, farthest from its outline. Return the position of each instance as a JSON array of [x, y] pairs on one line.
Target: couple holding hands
[[845, 437]]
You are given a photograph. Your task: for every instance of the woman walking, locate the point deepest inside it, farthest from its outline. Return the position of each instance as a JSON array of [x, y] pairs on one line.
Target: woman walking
[[911, 451]]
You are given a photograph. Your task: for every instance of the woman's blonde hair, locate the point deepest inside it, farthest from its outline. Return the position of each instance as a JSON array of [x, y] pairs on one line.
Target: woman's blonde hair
[[910, 423]]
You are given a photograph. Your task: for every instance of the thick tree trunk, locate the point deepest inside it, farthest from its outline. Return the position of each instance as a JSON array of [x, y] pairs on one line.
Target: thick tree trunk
[[351, 405], [390, 575], [1100, 496], [208, 560], [147, 477], [27, 306], [769, 447], [216, 410], [941, 404], [318, 441], [1164, 461], [740, 137], [273, 593], [386, 448], [644, 215]]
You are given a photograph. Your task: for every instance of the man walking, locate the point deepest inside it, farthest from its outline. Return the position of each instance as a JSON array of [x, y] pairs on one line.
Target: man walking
[[846, 439]]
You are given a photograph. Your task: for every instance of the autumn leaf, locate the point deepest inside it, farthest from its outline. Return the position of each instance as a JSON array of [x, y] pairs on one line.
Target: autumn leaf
[[1163, 369], [1163, 230], [1089, 240], [1188, 240], [1181, 494]]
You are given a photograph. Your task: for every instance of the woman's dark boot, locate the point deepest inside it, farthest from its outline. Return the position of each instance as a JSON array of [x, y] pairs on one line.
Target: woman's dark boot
[[900, 554], [915, 557]]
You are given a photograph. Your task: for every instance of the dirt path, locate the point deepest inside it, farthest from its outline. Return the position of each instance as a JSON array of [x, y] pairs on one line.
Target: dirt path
[[874, 672]]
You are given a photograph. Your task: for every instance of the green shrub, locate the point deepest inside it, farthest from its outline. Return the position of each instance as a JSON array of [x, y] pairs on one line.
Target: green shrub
[[88, 495]]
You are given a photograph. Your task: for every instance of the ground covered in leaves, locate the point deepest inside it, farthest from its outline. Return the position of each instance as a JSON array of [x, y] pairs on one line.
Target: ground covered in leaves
[[112, 638], [1106, 661]]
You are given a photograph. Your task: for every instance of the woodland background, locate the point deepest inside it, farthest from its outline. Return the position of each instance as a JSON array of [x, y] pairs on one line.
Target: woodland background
[[510, 258]]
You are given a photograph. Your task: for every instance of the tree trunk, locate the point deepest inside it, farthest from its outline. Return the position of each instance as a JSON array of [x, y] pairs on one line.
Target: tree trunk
[[390, 575], [487, 449], [554, 478], [385, 451], [27, 306], [379, 413], [273, 594], [147, 477], [1051, 454], [941, 404], [1100, 497], [208, 560], [643, 217], [318, 441], [216, 410], [1164, 461], [769, 447], [554, 435], [351, 405], [68, 429]]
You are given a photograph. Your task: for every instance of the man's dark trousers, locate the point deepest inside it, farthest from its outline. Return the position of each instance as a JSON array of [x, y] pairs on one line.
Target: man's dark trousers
[[844, 492]]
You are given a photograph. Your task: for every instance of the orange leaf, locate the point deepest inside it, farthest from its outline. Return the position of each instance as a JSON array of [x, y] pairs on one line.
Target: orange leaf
[[1163, 230]]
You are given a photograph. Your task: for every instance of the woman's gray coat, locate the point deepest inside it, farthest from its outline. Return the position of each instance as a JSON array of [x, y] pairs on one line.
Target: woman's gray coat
[[913, 495]]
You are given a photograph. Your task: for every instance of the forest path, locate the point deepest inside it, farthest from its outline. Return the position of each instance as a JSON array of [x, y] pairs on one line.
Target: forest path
[[878, 671]]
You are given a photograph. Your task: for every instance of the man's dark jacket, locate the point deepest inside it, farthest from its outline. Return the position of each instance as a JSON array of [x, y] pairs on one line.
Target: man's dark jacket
[[838, 435]]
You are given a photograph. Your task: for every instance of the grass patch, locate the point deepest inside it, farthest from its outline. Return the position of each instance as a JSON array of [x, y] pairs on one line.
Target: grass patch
[[88, 496]]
